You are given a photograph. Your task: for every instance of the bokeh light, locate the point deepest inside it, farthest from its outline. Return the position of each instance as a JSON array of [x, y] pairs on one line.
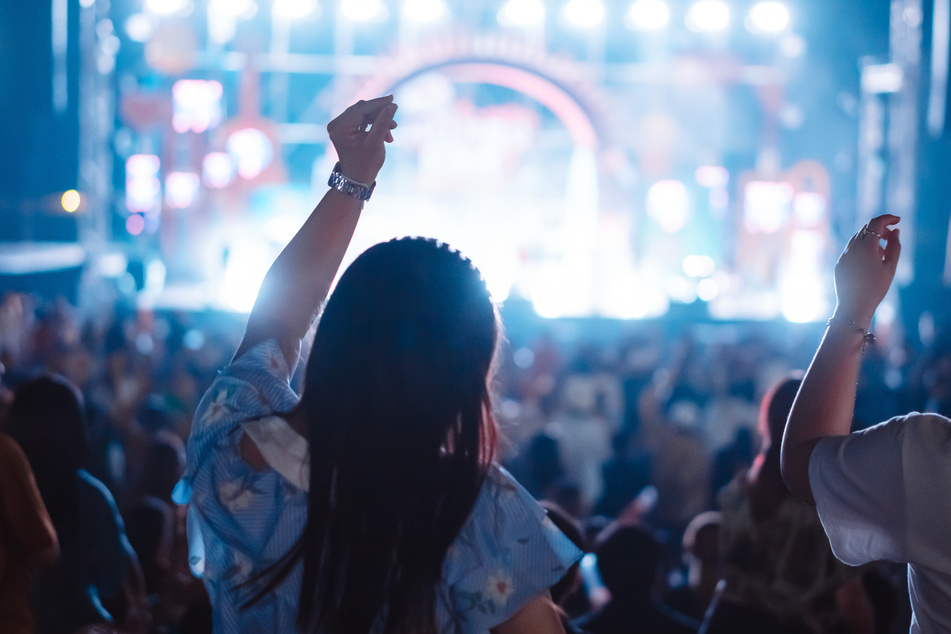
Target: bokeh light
[[584, 13], [71, 200], [708, 16], [768, 17], [523, 13], [647, 15]]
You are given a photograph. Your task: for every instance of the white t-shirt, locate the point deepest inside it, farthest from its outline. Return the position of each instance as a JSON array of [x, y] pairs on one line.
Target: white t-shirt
[[885, 493]]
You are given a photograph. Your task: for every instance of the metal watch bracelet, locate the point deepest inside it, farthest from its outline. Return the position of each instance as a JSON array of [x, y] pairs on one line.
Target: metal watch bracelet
[[351, 188]]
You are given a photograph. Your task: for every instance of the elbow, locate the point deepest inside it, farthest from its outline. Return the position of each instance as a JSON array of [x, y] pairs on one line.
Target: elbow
[[794, 465]]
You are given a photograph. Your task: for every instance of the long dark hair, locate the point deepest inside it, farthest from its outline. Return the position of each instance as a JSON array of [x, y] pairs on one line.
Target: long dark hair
[[47, 421], [399, 417]]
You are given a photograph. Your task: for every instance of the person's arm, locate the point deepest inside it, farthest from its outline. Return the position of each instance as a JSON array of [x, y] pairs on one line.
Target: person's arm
[[300, 278], [826, 400], [538, 616]]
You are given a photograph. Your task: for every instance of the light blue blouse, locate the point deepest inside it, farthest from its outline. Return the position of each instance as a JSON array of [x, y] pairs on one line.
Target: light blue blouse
[[241, 520]]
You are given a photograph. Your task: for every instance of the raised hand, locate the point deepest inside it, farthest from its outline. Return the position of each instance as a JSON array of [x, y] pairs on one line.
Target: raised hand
[[865, 270], [359, 135]]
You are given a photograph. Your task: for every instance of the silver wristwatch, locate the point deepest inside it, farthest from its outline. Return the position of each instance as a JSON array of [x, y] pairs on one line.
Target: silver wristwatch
[[351, 188]]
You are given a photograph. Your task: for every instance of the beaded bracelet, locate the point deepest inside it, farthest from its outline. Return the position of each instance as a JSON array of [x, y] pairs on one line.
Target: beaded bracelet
[[867, 337]]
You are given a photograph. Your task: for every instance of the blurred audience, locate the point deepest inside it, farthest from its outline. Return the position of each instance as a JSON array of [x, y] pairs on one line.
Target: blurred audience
[[779, 572], [97, 577], [677, 412]]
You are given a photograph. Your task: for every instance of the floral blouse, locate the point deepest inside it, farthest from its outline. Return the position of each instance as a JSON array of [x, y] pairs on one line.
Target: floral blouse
[[241, 520]]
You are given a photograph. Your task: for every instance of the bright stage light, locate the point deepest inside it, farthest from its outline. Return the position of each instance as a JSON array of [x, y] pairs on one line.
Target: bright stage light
[[522, 13], [71, 201], [217, 169], [196, 105], [668, 204], [139, 27], [364, 10], [699, 265], [708, 16], [584, 13], [251, 150], [165, 7], [803, 299], [647, 15], [245, 270], [142, 186], [767, 206], [768, 17], [295, 9], [233, 8], [707, 290], [809, 208], [712, 176], [424, 11], [181, 189]]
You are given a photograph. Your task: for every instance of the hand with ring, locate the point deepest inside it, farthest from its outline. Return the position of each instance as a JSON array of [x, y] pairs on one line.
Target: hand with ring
[[865, 269]]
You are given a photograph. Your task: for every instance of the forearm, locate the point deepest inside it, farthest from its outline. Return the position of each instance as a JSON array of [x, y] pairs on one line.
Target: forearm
[[300, 278], [825, 403]]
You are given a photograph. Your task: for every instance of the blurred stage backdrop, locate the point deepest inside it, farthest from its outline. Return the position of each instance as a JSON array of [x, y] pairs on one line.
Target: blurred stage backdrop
[[593, 157]]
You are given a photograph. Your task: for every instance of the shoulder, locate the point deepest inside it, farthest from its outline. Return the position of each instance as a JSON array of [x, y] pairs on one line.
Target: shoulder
[[507, 552], [913, 432]]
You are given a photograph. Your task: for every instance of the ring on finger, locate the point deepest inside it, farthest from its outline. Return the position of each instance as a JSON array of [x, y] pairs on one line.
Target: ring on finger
[[866, 231]]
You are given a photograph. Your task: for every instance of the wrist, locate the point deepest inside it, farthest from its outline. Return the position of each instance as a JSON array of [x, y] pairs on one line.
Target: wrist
[[347, 186], [862, 317], [357, 171]]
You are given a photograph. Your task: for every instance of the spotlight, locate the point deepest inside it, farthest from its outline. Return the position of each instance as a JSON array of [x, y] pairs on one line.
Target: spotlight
[[295, 9], [768, 17], [71, 201], [522, 13], [142, 186], [647, 15], [139, 27], [181, 189], [424, 11], [217, 169], [363, 10], [251, 151], [668, 203], [584, 13], [196, 105], [708, 16]]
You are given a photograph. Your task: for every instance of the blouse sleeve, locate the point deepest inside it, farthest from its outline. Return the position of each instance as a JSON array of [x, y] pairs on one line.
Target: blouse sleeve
[[858, 485], [507, 553], [881, 492], [256, 384]]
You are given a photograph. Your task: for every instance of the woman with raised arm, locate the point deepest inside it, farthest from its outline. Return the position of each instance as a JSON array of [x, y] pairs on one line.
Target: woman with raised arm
[[371, 503], [881, 493]]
